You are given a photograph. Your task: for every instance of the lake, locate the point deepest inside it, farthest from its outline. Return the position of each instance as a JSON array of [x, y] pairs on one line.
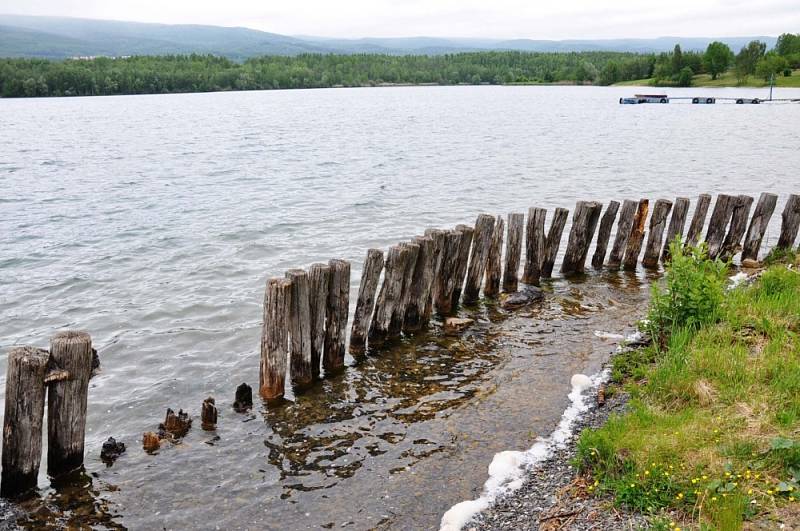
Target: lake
[[153, 222]]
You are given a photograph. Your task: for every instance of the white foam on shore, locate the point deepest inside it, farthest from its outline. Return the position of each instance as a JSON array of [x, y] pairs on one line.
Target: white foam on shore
[[737, 279], [507, 469], [607, 335]]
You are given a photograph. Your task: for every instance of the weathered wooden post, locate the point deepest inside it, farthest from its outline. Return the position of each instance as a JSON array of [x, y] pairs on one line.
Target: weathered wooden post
[[534, 246], [516, 223], [446, 271], [370, 275], [676, 224], [408, 279], [319, 280], [733, 240], [462, 261], [336, 318], [482, 241], [420, 291], [637, 235], [790, 222], [275, 338], [491, 287], [438, 237], [658, 222], [208, 414], [390, 295], [584, 223], [243, 399], [698, 219], [604, 234], [300, 368], [718, 224], [70, 351], [758, 227], [22, 420], [624, 226], [553, 241]]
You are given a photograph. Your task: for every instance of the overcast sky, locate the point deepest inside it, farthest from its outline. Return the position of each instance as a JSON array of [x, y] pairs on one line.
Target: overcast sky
[[536, 19]]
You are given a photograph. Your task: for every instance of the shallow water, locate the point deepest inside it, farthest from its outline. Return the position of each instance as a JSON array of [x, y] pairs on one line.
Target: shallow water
[[153, 222]]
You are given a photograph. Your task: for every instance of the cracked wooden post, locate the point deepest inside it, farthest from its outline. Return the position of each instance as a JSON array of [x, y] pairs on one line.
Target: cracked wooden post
[[336, 315], [462, 261], [415, 317], [208, 414], [534, 246], [637, 235], [553, 241], [482, 241], [23, 420], [624, 226], [438, 237], [516, 223], [370, 276], [275, 338], [758, 227], [408, 279], [319, 280], [300, 367], [584, 223], [790, 222], [604, 234], [658, 222], [491, 287], [698, 219], [718, 224], [733, 240], [676, 224], [448, 263], [390, 295]]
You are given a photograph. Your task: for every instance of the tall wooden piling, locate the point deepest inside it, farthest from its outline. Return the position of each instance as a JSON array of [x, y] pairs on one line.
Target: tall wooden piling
[[370, 275], [22, 420], [70, 351], [534, 246], [604, 234], [390, 295], [676, 224], [733, 240], [336, 318], [491, 287], [636, 237], [446, 270], [319, 280], [658, 222], [758, 226], [553, 241], [624, 226], [718, 224], [584, 223], [462, 261], [415, 317], [300, 367], [698, 219], [408, 280], [275, 338], [438, 237], [482, 241], [516, 223], [790, 222]]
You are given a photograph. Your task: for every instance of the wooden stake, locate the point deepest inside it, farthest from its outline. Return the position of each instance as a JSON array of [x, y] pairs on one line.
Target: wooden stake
[[300, 329], [446, 273], [637, 235], [658, 222], [336, 315], [370, 275], [718, 224], [698, 220], [243, 399], [758, 226], [275, 338], [208, 414], [790, 222], [438, 237], [70, 351], [420, 292], [534, 246], [676, 224], [319, 276], [624, 226], [22, 420], [408, 281], [516, 223], [462, 260], [584, 223], [553, 241], [604, 234], [733, 240], [484, 228], [390, 295], [494, 260]]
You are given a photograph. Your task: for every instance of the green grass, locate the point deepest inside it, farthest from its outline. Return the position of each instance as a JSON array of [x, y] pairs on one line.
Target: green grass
[[712, 435], [728, 79]]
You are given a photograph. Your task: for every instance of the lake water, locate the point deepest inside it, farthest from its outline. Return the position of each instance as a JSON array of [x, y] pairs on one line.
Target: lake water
[[154, 221]]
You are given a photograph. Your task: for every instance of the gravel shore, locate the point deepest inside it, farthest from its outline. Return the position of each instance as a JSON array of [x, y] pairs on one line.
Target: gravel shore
[[8, 516]]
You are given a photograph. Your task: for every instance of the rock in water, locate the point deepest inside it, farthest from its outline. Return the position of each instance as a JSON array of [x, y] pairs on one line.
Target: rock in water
[[524, 297], [111, 450], [454, 325]]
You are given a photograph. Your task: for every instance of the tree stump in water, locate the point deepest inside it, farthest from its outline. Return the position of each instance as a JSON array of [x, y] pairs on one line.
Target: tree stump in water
[[151, 442], [624, 226], [319, 280], [676, 224], [534, 246], [553, 241], [446, 271], [336, 315], [275, 337], [408, 281], [243, 399], [491, 286], [300, 366], [584, 223], [370, 275], [208, 414], [733, 240], [513, 251], [462, 261], [758, 226], [658, 222], [637, 236], [111, 450], [718, 224], [482, 241], [70, 351], [790, 222], [420, 291], [23, 420], [604, 234], [390, 295], [438, 237], [698, 220], [175, 426]]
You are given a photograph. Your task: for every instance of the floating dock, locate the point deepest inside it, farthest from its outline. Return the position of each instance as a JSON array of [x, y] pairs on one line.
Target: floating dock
[[699, 100]]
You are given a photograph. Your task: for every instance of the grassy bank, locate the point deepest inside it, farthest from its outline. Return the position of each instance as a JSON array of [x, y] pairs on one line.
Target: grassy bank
[[728, 79], [712, 436]]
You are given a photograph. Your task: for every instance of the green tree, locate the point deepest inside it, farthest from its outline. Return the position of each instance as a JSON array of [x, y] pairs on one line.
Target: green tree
[[684, 78], [717, 59], [748, 58], [769, 65], [677, 59], [788, 44]]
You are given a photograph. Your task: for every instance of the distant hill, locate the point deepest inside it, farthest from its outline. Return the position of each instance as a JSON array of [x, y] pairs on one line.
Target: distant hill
[[61, 37]]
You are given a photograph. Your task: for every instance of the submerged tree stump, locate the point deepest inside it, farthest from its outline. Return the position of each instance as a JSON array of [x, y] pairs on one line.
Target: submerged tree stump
[[718, 224], [421, 283], [637, 235], [516, 223], [553, 241], [462, 261], [438, 237], [275, 337], [790, 222], [482, 242], [151, 442], [243, 400], [300, 368], [336, 315], [698, 220], [584, 223], [733, 240], [535, 241], [491, 287], [319, 281], [624, 226], [658, 222], [208, 414], [23, 420], [446, 271], [604, 234], [408, 280], [70, 351], [758, 226], [175, 426], [370, 275], [676, 224], [390, 295]]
